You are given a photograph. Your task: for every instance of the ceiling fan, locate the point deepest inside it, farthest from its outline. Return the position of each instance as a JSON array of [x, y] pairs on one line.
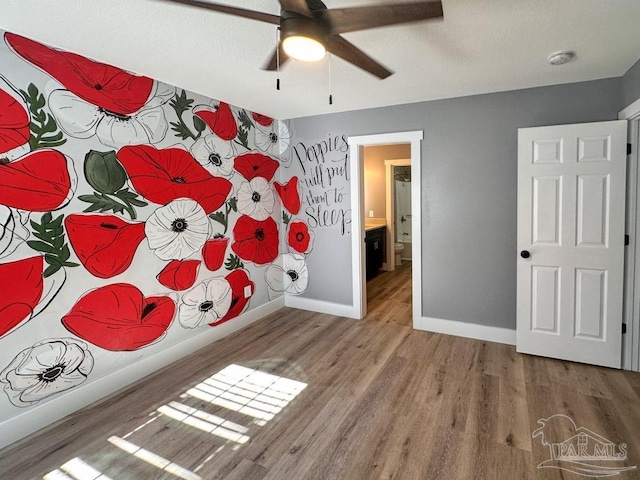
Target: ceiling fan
[[308, 28]]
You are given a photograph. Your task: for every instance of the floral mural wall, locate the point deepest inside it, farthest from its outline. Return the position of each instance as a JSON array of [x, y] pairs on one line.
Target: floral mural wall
[[133, 215]]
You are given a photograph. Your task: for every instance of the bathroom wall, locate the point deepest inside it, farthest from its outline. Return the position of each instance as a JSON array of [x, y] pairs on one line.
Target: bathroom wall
[[374, 176]]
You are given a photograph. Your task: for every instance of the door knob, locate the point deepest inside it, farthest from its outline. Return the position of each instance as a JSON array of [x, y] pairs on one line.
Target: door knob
[[525, 254]]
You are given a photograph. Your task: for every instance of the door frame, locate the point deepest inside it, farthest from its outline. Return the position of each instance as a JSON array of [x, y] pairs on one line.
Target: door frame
[[356, 157], [631, 340], [390, 207]]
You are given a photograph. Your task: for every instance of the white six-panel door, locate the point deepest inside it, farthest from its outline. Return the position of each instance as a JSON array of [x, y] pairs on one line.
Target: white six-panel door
[[571, 202]]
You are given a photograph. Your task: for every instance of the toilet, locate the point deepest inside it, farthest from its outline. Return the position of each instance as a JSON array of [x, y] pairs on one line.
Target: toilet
[[398, 248]]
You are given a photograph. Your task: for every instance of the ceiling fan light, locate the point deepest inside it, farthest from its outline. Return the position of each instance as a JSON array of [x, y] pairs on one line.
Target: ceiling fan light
[[303, 48]]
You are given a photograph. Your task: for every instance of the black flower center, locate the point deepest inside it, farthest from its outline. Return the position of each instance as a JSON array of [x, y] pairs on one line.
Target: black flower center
[[50, 374], [273, 138], [97, 86], [206, 306], [179, 225], [117, 116], [148, 308], [299, 236], [178, 180], [293, 274], [4, 160], [255, 168], [110, 226], [255, 196], [260, 234], [215, 159]]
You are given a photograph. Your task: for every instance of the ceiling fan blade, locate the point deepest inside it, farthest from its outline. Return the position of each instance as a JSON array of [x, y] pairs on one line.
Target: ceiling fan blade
[[272, 64], [352, 54], [238, 12], [342, 20], [297, 6]]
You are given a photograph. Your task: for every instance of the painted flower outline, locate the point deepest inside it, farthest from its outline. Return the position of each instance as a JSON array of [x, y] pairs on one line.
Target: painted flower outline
[[214, 154], [256, 240], [25, 291], [292, 277], [46, 369], [164, 175], [207, 303], [274, 139], [256, 199], [177, 230], [118, 317], [99, 99]]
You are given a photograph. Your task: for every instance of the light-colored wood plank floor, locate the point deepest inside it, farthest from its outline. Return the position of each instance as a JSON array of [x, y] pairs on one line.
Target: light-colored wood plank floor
[[381, 401]]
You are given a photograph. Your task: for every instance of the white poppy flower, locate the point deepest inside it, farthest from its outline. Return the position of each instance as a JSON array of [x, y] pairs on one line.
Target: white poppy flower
[[256, 199], [292, 277], [13, 230], [214, 154], [274, 139], [80, 119], [205, 303], [177, 230], [45, 369]]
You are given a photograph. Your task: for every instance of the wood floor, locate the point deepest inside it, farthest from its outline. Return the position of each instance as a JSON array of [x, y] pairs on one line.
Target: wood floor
[[335, 398]]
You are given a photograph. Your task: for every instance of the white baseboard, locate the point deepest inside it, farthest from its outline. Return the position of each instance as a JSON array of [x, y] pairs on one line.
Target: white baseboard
[[40, 416], [320, 306], [468, 330]]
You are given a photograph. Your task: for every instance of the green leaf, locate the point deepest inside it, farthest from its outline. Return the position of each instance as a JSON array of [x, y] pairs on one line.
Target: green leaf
[[42, 123], [285, 218], [245, 120], [103, 171], [233, 204], [243, 137], [41, 246], [233, 262], [104, 203], [199, 124], [46, 218], [50, 270], [219, 217]]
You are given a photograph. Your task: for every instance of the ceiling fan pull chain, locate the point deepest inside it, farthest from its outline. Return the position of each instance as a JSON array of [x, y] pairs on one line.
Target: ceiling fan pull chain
[[278, 58], [330, 85]]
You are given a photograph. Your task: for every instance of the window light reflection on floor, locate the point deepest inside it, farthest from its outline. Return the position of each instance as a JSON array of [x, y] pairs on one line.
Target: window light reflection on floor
[[76, 469], [251, 392], [254, 393], [154, 459]]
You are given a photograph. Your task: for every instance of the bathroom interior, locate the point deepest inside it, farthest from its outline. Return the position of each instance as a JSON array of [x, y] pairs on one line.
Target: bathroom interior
[[387, 205]]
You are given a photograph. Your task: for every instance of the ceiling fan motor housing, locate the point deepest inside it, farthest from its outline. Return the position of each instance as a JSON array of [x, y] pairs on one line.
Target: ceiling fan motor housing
[[293, 24]]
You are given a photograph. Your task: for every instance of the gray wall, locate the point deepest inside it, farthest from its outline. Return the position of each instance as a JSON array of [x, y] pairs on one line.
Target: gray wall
[[469, 157], [631, 85]]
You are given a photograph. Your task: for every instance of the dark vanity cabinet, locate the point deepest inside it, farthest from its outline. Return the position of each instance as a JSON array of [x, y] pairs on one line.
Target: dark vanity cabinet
[[374, 242]]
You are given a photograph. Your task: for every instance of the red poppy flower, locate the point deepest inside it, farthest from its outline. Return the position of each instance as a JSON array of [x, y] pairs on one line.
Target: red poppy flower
[[102, 85], [213, 252], [256, 240], [289, 195], [179, 274], [220, 120], [162, 176], [239, 281], [105, 244], [37, 182], [252, 165], [299, 237], [262, 119], [14, 123], [22, 286], [119, 318]]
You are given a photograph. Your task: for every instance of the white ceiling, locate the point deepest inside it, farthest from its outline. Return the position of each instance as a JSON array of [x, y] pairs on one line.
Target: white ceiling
[[480, 46]]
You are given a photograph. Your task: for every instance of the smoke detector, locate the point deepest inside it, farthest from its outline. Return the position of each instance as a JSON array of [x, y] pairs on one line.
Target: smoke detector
[[562, 57]]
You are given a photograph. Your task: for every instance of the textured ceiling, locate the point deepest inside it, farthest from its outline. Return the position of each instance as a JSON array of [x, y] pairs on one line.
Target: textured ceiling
[[480, 46]]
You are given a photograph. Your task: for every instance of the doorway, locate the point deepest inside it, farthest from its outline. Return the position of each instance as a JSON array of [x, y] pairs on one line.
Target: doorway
[[356, 155]]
